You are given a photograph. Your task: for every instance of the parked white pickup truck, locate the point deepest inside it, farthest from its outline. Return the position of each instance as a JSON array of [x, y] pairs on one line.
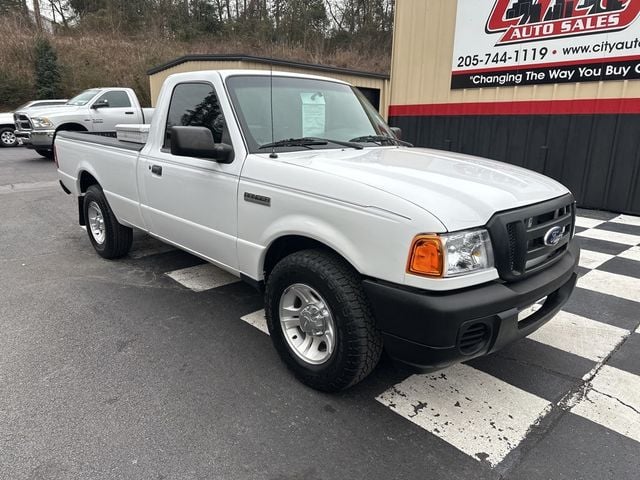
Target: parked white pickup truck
[[96, 110], [7, 123], [296, 185]]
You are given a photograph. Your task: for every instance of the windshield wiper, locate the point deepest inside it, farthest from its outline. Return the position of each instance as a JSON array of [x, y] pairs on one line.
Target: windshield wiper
[[308, 142], [293, 142], [381, 139]]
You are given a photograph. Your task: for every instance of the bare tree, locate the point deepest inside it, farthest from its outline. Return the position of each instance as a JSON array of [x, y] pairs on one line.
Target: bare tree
[[36, 15], [59, 7]]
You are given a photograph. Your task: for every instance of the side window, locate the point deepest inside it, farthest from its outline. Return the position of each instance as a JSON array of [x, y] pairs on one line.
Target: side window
[[116, 99], [195, 105]]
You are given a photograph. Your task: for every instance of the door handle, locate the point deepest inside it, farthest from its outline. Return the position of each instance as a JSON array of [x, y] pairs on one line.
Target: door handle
[[156, 170], [128, 113]]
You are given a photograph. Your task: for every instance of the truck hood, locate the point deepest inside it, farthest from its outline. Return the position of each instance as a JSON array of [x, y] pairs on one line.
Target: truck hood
[[50, 111], [462, 191]]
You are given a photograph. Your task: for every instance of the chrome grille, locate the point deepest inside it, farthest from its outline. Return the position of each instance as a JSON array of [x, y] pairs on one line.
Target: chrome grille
[[518, 236], [22, 121]]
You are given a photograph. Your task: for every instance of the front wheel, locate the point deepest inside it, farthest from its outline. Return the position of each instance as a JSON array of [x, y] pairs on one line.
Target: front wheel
[[45, 153], [320, 320], [7, 137], [108, 237]]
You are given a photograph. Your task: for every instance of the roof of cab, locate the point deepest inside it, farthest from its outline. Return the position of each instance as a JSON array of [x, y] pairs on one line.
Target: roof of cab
[[265, 73], [275, 62]]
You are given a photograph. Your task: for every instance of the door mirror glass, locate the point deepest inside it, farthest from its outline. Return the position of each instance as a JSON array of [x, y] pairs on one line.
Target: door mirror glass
[[198, 142], [397, 131]]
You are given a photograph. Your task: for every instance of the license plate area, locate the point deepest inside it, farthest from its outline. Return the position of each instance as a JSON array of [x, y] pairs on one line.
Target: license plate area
[[526, 312]]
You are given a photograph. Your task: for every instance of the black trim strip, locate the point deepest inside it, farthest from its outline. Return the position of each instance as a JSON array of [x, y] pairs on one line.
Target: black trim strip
[[88, 137]]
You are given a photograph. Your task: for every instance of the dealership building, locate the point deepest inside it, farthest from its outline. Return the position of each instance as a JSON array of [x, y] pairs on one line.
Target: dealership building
[[374, 86], [551, 85]]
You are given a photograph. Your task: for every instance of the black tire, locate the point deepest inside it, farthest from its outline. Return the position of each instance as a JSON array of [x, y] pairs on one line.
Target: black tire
[[45, 153], [358, 343], [117, 239], [7, 137]]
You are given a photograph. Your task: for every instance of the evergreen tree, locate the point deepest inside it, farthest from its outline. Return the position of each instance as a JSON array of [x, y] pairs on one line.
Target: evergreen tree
[[47, 71]]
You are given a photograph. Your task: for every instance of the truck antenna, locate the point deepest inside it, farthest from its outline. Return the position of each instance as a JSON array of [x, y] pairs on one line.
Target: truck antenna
[[273, 147]]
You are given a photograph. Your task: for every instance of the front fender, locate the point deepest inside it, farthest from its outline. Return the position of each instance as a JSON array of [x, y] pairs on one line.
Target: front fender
[[360, 236]]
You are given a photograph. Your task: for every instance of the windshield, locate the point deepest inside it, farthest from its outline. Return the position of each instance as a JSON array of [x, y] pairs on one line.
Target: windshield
[[84, 98], [302, 108]]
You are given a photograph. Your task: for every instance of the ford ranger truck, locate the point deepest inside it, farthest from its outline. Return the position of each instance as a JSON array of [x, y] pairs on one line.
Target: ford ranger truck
[[360, 243], [97, 110]]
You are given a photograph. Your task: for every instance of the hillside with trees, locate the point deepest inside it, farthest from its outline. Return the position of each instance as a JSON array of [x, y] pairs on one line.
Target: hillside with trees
[[88, 43]]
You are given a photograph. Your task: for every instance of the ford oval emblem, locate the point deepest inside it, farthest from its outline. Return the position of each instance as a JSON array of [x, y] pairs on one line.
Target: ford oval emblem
[[553, 236]]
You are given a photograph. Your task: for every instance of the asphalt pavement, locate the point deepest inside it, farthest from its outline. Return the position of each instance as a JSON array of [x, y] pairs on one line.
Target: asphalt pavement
[[157, 366]]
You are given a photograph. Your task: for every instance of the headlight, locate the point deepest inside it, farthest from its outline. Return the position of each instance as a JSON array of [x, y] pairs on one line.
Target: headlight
[[41, 122], [451, 254]]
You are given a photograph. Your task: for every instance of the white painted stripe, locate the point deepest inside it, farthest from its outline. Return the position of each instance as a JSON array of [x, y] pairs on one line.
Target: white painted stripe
[[627, 219], [590, 259], [475, 412], [27, 187], [611, 284], [608, 236], [611, 399], [632, 254], [202, 277], [256, 319], [580, 336], [588, 222]]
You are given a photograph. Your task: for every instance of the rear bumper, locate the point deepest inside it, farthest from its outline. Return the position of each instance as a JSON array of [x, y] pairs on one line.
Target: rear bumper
[[431, 330]]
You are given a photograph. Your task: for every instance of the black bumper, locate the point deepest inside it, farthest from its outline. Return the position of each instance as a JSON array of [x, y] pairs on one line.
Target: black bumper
[[431, 330]]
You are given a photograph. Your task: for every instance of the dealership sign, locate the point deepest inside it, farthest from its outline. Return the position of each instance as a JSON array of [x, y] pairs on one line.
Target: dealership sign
[[527, 42]]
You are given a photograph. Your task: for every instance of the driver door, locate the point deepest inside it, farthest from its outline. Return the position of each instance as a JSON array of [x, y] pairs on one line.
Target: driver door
[[191, 201], [113, 108]]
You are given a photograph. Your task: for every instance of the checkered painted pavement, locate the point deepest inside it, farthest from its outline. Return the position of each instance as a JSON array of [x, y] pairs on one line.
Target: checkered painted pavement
[[581, 371]]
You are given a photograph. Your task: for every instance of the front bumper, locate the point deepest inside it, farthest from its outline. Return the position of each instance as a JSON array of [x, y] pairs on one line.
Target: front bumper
[[432, 330], [23, 137], [41, 139]]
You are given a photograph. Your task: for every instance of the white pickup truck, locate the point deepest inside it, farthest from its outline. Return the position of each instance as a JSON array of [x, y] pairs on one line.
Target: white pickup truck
[[96, 110], [7, 122], [296, 185]]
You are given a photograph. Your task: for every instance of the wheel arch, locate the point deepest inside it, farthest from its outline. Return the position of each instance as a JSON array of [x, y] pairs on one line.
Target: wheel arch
[[71, 127], [287, 244], [85, 180]]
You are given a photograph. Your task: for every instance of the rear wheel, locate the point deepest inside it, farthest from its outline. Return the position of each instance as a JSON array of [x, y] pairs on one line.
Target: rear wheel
[[7, 137], [45, 153], [320, 320], [108, 237]]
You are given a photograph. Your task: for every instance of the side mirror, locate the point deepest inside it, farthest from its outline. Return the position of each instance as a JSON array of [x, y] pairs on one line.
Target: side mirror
[[397, 131], [198, 142], [100, 104]]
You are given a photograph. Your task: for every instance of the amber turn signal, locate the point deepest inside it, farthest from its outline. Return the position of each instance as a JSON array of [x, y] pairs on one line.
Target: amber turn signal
[[425, 257]]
